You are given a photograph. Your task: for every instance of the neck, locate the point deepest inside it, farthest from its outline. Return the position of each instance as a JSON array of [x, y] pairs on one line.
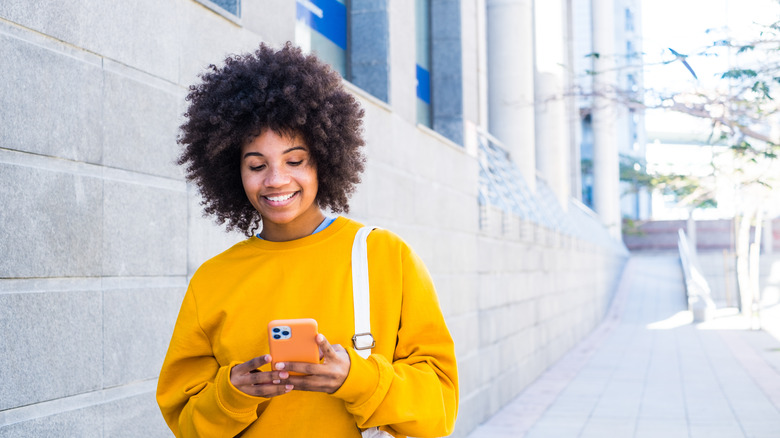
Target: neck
[[301, 227]]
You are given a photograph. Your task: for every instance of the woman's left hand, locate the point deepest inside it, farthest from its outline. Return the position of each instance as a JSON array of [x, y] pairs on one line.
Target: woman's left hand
[[327, 376]]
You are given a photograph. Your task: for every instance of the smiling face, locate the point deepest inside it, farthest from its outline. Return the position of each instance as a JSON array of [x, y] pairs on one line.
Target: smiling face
[[280, 181]]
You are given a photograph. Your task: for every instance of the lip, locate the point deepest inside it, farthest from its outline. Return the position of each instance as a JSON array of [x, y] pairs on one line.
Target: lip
[[282, 203]]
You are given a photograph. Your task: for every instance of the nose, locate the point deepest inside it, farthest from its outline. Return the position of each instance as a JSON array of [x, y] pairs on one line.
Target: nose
[[276, 176]]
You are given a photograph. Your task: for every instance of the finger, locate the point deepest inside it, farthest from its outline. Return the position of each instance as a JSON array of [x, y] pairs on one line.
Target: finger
[[314, 382], [260, 378], [325, 347], [311, 382], [267, 390], [298, 367], [248, 367], [252, 364], [281, 376]]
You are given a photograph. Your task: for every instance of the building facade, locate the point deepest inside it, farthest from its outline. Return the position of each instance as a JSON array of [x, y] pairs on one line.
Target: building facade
[[608, 45], [470, 144]]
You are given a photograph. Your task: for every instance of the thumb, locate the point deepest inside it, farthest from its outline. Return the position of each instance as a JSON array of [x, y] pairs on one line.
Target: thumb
[[325, 347]]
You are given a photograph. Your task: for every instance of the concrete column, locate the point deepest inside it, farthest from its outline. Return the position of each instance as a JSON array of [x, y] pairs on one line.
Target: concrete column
[[510, 46], [606, 173], [572, 109], [552, 126], [402, 59]]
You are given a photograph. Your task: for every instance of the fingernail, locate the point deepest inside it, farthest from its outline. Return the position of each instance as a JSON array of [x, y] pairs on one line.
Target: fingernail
[[280, 365], [289, 388], [284, 375], [320, 338], [276, 382]]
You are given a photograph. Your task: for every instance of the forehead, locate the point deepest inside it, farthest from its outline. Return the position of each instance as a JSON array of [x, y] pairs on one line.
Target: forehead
[[270, 142]]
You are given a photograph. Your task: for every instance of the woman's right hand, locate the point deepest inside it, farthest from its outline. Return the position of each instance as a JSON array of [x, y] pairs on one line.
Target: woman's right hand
[[247, 379]]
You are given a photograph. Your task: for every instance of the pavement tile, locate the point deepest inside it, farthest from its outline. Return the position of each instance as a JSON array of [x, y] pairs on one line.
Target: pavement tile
[[721, 428], [549, 429], [609, 427], [656, 428]]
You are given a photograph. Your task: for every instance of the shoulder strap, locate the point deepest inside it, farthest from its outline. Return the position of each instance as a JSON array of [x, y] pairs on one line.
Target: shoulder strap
[[363, 341]]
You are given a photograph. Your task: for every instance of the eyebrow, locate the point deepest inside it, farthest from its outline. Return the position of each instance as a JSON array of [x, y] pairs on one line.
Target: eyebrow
[[258, 154]]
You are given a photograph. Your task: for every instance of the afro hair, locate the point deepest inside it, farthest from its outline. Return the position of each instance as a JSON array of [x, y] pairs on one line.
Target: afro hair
[[281, 90]]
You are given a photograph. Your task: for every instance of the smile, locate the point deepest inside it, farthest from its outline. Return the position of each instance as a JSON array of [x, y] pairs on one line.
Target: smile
[[280, 198]]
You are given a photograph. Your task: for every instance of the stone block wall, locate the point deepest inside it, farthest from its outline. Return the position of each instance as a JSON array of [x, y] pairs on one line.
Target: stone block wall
[[711, 235], [100, 233]]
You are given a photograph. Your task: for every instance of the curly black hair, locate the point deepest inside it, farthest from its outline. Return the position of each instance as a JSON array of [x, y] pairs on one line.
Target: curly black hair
[[287, 92]]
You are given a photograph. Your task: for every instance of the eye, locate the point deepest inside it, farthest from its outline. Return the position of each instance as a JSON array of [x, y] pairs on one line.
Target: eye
[[295, 163], [256, 168]]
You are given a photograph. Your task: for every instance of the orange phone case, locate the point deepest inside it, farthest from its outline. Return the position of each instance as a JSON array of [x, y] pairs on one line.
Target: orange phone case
[[294, 340]]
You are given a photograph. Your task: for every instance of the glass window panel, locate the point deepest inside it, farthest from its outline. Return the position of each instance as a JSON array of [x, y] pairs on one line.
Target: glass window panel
[[232, 6], [423, 43], [321, 28]]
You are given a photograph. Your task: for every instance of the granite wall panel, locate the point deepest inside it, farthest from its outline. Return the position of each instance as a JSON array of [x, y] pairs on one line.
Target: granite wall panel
[[140, 125], [144, 232], [52, 222], [51, 345], [55, 111], [82, 423], [137, 327], [122, 31]]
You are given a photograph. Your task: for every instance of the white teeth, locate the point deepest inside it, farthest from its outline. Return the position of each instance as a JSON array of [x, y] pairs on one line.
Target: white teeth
[[279, 198]]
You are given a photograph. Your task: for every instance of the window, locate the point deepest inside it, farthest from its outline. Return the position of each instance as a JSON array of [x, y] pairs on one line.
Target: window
[[230, 9], [586, 160], [232, 6], [321, 27], [350, 35], [423, 40], [446, 69], [632, 85], [369, 47], [629, 20]]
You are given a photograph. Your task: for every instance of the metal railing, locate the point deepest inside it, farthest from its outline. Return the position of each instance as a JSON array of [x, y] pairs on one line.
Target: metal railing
[[696, 287], [502, 187]]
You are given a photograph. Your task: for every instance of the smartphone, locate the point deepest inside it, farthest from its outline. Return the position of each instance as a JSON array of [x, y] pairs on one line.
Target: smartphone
[[293, 340]]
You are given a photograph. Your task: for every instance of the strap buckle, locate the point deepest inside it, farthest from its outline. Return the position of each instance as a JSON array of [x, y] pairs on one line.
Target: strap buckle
[[363, 341]]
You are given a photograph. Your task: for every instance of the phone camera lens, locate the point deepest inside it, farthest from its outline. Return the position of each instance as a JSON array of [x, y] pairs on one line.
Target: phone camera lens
[[286, 333], [277, 336], [276, 330]]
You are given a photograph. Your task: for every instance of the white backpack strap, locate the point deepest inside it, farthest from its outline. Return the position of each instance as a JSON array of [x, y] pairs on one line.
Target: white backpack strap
[[363, 341]]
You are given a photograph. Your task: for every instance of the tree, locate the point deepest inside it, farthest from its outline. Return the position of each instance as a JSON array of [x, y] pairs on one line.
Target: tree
[[742, 109], [741, 106]]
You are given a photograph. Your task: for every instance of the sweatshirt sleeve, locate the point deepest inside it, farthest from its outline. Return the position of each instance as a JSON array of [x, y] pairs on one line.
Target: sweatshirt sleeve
[[194, 392], [417, 392]]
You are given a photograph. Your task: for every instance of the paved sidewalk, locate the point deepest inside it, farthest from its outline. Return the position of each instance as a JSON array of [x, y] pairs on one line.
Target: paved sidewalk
[[648, 371]]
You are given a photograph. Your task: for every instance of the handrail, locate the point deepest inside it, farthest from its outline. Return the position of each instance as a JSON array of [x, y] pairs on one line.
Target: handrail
[[696, 287]]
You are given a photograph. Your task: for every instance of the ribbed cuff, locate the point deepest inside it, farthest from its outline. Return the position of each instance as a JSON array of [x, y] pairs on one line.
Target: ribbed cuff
[[361, 381], [230, 398]]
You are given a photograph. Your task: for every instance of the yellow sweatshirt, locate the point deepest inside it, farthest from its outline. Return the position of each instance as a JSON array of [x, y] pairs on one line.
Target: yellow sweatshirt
[[408, 385]]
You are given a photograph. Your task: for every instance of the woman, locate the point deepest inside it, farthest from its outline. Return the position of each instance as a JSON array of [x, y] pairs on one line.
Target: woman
[[271, 139]]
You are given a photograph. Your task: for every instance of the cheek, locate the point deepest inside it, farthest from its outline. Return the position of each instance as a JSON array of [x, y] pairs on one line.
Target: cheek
[[245, 180], [249, 181], [312, 180]]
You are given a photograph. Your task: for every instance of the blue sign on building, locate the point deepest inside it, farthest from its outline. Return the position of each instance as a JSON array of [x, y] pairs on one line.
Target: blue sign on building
[[328, 17], [423, 84]]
